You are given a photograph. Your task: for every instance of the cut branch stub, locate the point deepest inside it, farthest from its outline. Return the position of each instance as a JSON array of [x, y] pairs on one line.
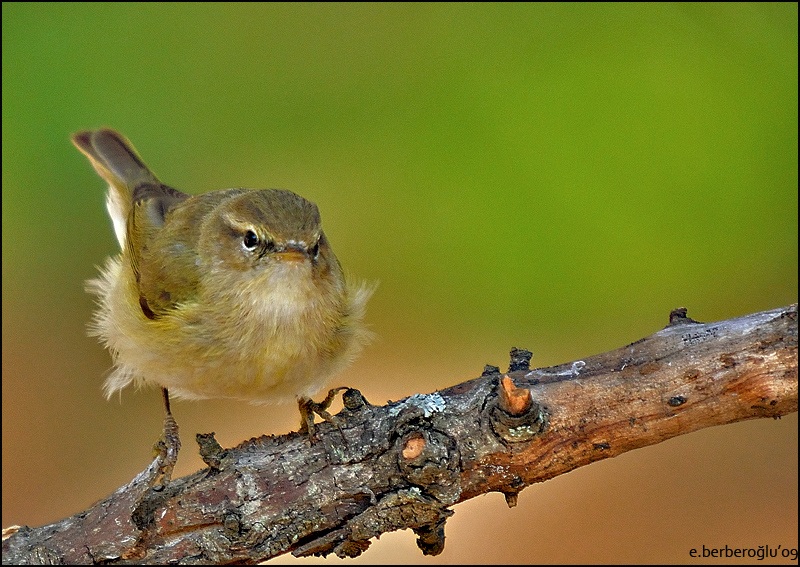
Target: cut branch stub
[[430, 538], [520, 359], [512, 400], [679, 317], [514, 416], [489, 370], [211, 451], [434, 468], [413, 446]]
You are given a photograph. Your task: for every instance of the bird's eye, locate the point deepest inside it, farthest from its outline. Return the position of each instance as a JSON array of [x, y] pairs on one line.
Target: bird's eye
[[250, 240], [315, 250]]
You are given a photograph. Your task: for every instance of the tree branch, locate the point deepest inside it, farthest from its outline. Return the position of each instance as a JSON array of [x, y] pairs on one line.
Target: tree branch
[[402, 465]]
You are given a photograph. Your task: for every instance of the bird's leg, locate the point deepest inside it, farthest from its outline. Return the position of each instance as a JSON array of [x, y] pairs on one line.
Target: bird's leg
[[169, 444], [155, 489], [309, 407]]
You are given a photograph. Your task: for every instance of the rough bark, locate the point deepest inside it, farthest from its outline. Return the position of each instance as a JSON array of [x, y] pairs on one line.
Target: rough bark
[[403, 465]]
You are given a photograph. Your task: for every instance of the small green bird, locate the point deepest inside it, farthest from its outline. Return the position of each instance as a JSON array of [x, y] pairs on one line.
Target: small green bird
[[234, 293]]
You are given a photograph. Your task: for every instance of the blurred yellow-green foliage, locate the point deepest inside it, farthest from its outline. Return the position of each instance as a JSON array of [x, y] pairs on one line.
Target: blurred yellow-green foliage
[[551, 176]]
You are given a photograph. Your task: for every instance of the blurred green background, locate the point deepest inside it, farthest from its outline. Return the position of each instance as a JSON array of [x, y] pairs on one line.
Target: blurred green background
[[550, 176]]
